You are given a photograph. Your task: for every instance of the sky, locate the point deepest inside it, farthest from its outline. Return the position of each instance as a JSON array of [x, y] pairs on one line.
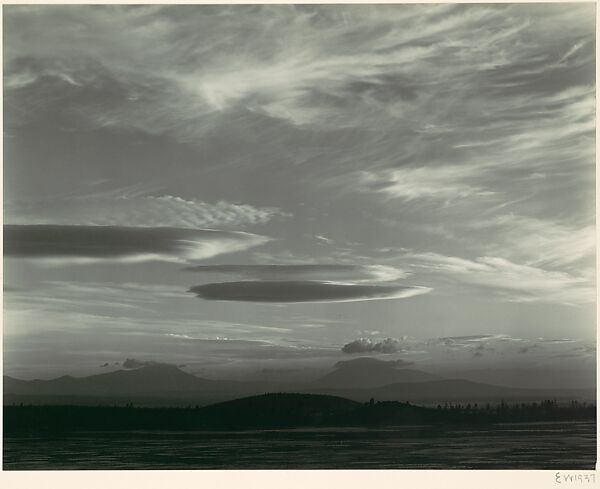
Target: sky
[[251, 189]]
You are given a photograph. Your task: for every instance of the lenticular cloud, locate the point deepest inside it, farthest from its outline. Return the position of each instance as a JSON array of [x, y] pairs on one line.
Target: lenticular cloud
[[302, 291], [58, 244]]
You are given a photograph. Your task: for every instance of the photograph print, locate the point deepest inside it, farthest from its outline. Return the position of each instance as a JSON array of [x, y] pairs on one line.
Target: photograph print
[[347, 236]]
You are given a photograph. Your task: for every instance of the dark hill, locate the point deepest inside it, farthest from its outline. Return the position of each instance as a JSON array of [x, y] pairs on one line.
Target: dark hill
[[280, 409], [283, 401], [265, 411], [276, 411]]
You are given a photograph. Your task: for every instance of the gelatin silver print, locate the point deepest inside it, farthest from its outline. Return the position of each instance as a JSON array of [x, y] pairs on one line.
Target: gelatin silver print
[[346, 236]]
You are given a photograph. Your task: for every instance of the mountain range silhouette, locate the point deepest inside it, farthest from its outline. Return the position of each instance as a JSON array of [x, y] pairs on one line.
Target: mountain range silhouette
[[358, 380]]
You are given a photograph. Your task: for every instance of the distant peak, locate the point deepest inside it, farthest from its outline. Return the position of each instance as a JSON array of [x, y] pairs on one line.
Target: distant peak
[[370, 361], [133, 363]]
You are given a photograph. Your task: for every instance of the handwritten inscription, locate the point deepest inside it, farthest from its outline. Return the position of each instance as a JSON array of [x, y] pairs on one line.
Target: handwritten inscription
[[574, 477]]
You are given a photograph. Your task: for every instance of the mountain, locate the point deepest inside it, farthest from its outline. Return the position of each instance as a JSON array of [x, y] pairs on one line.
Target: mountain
[[583, 377], [149, 379], [359, 380], [153, 383], [159, 380], [371, 372], [456, 390]]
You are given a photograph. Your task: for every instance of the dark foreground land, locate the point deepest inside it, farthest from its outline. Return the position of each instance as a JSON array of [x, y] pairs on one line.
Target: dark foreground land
[[301, 431], [273, 411]]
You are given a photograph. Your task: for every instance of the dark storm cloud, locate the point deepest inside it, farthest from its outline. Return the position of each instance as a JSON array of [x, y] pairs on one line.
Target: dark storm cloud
[[77, 244], [365, 345], [301, 291], [306, 272]]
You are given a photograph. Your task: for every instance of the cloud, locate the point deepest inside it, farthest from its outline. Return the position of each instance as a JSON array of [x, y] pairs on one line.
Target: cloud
[[121, 209], [511, 281], [448, 340], [62, 336], [334, 65], [380, 82], [324, 239], [366, 345], [58, 244], [556, 340], [432, 182], [540, 242], [302, 291], [75, 296], [416, 105], [502, 349], [330, 272]]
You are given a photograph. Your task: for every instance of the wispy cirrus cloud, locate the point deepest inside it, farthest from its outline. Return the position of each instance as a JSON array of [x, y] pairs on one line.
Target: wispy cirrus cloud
[[444, 182], [79, 296], [508, 280], [386, 74], [182, 60], [540, 242], [463, 132]]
